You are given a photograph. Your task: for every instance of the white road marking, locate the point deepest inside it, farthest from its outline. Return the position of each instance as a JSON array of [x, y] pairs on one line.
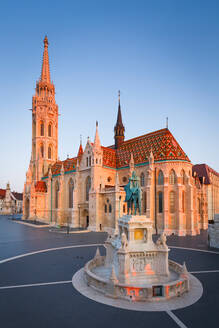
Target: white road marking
[[46, 250], [37, 284], [209, 271], [194, 249], [176, 319]]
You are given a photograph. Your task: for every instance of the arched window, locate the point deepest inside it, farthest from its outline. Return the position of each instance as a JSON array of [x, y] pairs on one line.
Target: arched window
[[41, 128], [183, 201], [142, 179], [183, 175], [199, 206], [160, 202], [87, 187], [124, 208], [160, 178], [105, 208], [42, 151], [57, 195], [110, 208], [144, 201], [50, 152], [172, 177], [71, 190], [50, 130], [172, 202]]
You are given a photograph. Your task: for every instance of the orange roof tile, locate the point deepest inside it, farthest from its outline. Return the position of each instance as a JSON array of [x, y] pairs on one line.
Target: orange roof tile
[[40, 186], [161, 142]]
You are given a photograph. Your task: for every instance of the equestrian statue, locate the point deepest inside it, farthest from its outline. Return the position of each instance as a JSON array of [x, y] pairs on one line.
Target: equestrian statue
[[133, 194]]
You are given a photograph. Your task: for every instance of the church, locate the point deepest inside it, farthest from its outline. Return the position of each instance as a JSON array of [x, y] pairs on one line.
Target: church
[[88, 190]]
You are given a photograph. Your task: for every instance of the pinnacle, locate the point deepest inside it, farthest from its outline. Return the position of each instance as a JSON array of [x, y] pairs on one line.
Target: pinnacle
[[45, 73], [97, 254], [97, 143]]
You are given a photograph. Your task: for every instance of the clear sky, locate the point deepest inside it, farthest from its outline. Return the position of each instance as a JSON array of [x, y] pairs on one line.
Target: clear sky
[[162, 55]]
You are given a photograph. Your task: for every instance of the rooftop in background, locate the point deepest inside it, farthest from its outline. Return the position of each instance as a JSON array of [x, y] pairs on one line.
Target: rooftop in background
[[203, 170]]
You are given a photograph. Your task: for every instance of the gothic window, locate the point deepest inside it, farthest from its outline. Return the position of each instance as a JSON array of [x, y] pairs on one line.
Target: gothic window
[[71, 190], [109, 179], [89, 160], [172, 177], [142, 179], [110, 208], [160, 178], [42, 151], [57, 195], [87, 187], [124, 179], [160, 202], [105, 208], [41, 128], [183, 175], [172, 202], [50, 130], [49, 152], [124, 208], [144, 201], [183, 201], [199, 206]]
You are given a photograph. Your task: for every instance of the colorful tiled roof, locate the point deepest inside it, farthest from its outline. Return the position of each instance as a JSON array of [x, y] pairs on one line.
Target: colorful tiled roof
[[203, 170], [162, 143], [2, 193], [69, 165], [80, 151], [40, 186], [109, 157]]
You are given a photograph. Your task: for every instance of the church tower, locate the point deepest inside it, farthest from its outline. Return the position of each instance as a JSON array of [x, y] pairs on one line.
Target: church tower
[[119, 128], [44, 122]]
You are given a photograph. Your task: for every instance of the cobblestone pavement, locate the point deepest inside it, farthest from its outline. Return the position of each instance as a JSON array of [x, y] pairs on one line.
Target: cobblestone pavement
[[36, 290]]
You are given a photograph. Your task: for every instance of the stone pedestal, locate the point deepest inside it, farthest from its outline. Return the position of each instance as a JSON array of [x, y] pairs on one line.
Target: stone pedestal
[[213, 232]]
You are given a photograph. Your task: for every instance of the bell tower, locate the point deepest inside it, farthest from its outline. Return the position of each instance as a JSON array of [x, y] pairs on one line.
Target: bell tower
[[119, 129], [44, 121]]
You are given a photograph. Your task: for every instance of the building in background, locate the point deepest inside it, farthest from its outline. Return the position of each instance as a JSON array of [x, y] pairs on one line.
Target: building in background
[[210, 178], [11, 202], [87, 190]]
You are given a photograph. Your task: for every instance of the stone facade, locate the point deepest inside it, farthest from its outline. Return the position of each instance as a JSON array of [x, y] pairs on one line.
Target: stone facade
[[10, 202], [87, 190]]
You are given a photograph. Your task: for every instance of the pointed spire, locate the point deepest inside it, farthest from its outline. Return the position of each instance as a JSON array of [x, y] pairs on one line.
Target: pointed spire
[[119, 128], [113, 277], [97, 254], [184, 269], [119, 114], [97, 143], [62, 171], [151, 158], [80, 150], [131, 164], [45, 73]]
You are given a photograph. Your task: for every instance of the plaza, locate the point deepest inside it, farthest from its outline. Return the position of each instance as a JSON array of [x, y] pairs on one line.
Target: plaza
[[37, 266]]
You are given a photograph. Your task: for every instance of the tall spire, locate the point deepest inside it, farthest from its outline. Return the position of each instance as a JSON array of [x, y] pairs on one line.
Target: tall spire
[[119, 115], [45, 73], [119, 128], [80, 150], [97, 143]]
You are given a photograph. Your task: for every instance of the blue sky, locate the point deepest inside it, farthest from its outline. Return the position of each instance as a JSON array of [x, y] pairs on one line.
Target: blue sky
[[162, 55]]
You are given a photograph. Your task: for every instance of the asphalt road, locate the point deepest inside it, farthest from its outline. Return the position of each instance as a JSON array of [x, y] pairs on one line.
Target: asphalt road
[[60, 305]]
